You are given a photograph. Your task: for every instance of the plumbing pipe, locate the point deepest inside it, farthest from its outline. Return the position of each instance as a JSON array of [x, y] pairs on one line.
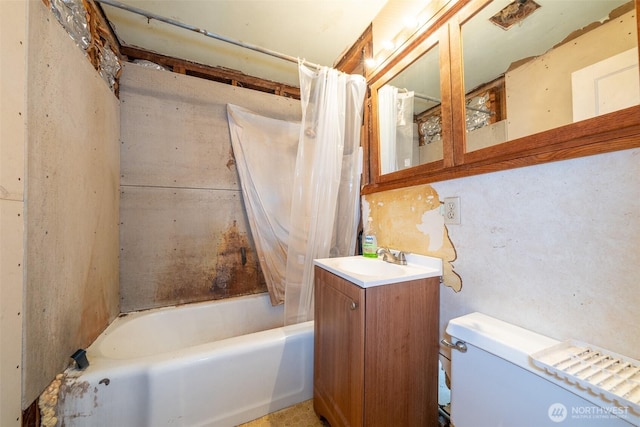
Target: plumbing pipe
[[150, 15]]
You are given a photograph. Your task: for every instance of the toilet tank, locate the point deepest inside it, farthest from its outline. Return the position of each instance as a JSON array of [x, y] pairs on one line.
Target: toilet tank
[[495, 384]]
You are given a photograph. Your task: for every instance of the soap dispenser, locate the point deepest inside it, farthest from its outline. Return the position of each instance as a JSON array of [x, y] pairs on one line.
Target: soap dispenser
[[369, 243]]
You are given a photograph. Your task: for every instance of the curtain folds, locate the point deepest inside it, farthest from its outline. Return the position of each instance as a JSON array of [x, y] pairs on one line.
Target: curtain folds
[[387, 113], [265, 153], [326, 187], [301, 183], [397, 148]]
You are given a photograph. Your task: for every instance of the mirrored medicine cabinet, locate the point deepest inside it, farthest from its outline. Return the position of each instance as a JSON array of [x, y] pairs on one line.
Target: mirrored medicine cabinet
[[490, 85]]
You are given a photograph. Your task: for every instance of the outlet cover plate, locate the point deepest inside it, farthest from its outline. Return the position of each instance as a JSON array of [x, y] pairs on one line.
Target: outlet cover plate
[[452, 210]]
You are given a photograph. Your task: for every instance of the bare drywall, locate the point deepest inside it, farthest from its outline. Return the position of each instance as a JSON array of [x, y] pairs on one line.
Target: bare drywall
[[547, 104], [184, 233], [71, 214], [13, 31]]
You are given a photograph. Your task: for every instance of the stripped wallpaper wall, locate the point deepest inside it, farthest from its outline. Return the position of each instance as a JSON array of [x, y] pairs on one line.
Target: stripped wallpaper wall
[[552, 248]]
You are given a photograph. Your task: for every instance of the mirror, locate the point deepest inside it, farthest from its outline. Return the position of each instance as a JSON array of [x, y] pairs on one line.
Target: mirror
[[414, 92], [538, 65], [511, 69]]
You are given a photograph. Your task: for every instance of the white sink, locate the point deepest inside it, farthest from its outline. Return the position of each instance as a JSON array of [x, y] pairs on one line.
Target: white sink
[[368, 266], [367, 272]]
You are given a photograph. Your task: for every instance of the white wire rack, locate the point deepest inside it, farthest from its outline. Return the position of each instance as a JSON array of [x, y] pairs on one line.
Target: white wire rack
[[616, 378]]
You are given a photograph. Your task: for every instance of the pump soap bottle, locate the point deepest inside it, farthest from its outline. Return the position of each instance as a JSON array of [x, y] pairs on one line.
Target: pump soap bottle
[[369, 243]]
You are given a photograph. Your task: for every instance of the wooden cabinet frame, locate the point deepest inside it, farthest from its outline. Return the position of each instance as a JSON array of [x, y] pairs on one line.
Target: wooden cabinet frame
[[376, 352], [611, 132]]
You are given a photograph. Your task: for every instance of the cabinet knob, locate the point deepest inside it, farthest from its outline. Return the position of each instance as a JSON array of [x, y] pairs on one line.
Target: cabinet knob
[[353, 305]]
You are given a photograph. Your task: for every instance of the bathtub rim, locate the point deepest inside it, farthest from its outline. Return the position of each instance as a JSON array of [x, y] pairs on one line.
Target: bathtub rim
[[272, 319]]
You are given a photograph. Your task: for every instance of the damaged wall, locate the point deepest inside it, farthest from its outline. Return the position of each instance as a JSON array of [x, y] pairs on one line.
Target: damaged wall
[[553, 247], [416, 211], [547, 104], [71, 213], [541, 247], [13, 33], [184, 233]]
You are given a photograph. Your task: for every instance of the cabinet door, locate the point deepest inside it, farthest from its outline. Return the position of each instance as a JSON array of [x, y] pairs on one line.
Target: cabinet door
[[339, 350], [401, 367]]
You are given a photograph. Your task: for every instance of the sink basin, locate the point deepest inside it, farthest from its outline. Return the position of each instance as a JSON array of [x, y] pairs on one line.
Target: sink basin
[[367, 272], [368, 266]]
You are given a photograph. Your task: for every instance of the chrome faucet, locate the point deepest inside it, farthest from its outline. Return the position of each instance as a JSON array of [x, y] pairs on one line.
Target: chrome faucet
[[388, 256]]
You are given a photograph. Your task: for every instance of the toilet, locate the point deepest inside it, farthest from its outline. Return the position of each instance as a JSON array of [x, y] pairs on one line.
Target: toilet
[[495, 382]]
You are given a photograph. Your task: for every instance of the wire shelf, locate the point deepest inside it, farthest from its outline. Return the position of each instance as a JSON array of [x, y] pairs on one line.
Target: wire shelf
[[614, 377]]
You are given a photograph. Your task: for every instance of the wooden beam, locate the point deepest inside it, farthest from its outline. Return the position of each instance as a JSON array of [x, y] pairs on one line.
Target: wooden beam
[[218, 74], [352, 62]]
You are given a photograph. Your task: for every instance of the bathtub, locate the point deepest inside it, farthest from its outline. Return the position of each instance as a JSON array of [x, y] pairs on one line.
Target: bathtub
[[218, 363]]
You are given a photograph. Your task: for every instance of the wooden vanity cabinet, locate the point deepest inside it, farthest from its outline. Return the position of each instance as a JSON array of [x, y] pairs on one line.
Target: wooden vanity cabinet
[[376, 352]]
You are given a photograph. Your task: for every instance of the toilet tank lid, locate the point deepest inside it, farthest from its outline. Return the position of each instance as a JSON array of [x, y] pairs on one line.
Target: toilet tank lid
[[498, 337]]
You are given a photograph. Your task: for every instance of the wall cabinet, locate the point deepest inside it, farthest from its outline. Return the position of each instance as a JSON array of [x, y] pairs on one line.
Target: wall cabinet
[[486, 99], [376, 352]]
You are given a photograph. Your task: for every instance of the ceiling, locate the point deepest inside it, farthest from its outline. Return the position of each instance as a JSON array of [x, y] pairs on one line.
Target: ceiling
[[319, 31]]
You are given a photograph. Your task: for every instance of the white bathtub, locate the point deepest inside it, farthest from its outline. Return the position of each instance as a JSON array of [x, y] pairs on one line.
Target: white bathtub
[[218, 363]]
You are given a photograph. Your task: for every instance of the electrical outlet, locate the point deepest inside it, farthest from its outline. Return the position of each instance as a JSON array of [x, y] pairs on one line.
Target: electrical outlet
[[452, 210]]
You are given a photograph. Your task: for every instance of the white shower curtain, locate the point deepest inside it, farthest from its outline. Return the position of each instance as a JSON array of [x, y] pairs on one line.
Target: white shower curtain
[[395, 121], [301, 183], [265, 150], [326, 188], [405, 146], [387, 124]]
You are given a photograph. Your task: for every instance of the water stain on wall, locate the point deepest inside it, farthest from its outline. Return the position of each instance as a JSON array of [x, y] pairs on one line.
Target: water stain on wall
[[237, 268], [225, 266], [395, 212]]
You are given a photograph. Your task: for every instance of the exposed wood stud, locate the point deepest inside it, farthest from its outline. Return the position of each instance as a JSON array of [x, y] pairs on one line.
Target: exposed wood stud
[[218, 74], [352, 61], [103, 28]]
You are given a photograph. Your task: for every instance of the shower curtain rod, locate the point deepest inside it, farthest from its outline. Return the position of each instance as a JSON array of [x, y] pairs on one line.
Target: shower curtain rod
[[150, 15]]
